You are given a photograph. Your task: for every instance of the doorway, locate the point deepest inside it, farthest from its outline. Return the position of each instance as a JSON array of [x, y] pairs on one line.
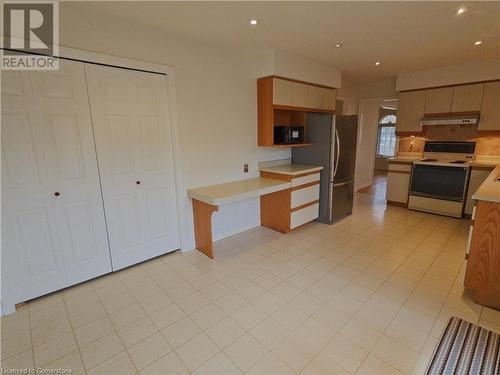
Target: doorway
[[385, 148]]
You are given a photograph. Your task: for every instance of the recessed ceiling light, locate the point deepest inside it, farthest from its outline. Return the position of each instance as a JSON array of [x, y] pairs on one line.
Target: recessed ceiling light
[[338, 45], [461, 10], [254, 22], [478, 42], [377, 63]]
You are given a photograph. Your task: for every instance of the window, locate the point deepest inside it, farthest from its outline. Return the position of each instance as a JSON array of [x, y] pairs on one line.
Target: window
[[386, 144]]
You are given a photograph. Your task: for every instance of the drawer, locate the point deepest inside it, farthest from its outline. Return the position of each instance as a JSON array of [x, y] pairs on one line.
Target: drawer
[[305, 180], [305, 195], [304, 215]]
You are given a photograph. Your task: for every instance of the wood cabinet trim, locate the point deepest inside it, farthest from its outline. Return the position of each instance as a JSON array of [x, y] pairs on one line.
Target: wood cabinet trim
[[304, 205], [276, 176], [202, 217], [275, 210], [303, 186], [305, 174], [306, 109]]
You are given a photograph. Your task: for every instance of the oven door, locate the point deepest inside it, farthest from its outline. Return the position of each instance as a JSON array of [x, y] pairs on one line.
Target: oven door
[[441, 182]]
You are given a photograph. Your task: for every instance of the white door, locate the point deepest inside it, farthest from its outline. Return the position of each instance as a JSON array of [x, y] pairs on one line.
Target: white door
[[53, 226], [134, 148]]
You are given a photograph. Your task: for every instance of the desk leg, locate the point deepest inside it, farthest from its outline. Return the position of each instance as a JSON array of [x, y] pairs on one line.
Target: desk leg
[[202, 214]]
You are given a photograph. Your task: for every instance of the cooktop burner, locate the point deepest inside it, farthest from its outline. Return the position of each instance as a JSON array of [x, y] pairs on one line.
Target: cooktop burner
[[457, 162], [429, 160]]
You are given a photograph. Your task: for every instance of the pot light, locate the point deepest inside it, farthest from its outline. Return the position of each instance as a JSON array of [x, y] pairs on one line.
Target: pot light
[[461, 10], [377, 63], [338, 45], [478, 42], [254, 22]]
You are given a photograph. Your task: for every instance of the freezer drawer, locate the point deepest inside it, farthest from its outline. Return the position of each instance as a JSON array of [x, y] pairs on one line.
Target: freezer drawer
[[304, 195], [304, 215]]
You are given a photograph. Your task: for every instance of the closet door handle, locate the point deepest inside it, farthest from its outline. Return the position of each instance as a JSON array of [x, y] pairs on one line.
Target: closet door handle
[[138, 182], [57, 194]]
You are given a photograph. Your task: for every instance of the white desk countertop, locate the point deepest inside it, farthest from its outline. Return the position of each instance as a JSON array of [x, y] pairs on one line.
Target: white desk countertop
[[490, 188], [291, 169], [229, 192]]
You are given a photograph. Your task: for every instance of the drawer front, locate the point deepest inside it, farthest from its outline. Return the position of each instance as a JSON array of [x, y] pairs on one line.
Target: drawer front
[[305, 195], [305, 180], [305, 215]]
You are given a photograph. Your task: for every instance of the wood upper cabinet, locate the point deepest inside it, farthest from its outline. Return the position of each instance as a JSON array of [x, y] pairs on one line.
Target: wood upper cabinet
[[282, 91], [411, 107], [302, 95], [467, 98], [490, 108], [438, 100], [285, 102]]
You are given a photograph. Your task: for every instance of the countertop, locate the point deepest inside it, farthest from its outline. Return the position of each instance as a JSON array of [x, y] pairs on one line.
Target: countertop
[[404, 159], [490, 188], [291, 169], [238, 190]]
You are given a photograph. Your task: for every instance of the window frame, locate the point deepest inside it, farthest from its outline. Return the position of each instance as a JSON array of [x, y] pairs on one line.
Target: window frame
[[386, 124]]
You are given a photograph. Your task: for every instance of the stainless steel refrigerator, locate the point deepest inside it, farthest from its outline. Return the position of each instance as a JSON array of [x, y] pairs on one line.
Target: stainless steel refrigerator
[[333, 146]]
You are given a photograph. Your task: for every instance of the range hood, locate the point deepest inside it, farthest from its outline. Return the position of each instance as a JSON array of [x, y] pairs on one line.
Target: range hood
[[452, 119]]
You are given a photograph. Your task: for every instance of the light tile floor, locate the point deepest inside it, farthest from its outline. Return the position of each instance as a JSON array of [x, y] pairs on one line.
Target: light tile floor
[[368, 295]]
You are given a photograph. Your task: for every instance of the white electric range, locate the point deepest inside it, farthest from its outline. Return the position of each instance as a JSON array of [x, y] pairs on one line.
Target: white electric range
[[440, 180]]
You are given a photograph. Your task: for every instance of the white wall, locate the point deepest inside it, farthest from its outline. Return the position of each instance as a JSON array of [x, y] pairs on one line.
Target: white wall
[[216, 106], [368, 112], [450, 75]]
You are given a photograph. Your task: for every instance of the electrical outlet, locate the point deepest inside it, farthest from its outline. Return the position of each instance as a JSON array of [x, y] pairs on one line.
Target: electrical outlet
[[245, 168]]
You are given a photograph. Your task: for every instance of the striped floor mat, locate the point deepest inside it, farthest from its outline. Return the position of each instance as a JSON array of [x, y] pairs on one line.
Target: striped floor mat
[[466, 348]]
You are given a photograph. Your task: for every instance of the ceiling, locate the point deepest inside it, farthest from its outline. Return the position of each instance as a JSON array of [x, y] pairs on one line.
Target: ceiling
[[404, 36]]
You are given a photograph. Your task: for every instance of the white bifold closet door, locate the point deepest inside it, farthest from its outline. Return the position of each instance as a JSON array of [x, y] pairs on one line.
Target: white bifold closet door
[[134, 149], [53, 225]]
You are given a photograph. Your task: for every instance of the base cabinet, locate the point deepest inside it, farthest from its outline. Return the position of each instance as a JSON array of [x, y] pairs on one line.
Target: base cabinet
[[398, 183], [482, 276], [288, 209]]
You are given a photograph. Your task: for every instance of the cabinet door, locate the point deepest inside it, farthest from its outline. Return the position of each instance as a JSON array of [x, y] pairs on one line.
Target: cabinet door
[[300, 94], [467, 98], [398, 184], [314, 97], [410, 111], [282, 92], [490, 109], [51, 242], [329, 97], [438, 100], [129, 112]]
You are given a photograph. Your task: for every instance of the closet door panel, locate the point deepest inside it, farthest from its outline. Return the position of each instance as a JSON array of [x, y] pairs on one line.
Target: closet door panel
[[51, 241], [135, 158], [61, 101]]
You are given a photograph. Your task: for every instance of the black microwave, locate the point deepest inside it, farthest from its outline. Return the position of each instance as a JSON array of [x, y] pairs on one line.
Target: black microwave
[[288, 135]]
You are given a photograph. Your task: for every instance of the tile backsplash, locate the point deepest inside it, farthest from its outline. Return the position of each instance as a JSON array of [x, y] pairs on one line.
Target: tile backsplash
[[484, 145]]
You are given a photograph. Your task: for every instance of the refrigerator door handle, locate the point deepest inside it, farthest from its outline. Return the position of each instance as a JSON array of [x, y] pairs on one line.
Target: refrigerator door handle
[[342, 183], [337, 138], [330, 201]]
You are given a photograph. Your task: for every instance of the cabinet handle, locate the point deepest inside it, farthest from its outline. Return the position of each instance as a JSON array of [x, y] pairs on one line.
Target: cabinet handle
[[138, 182], [57, 194]]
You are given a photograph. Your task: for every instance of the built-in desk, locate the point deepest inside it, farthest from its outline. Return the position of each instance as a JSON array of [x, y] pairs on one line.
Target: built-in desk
[[288, 198]]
